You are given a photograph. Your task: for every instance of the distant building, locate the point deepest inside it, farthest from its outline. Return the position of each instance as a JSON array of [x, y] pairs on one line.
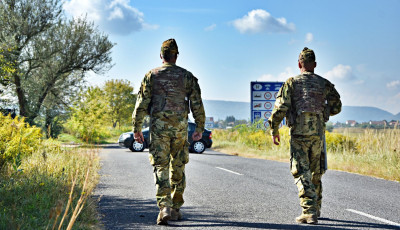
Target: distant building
[[337, 124], [394, 123], [352, 123], [379, 123]]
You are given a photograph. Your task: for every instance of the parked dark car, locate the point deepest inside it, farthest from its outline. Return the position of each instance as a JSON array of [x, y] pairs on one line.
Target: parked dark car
[[126, 140]]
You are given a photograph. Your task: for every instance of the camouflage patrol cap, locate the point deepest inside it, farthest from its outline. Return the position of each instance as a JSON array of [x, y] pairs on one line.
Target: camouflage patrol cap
[[307, 55], [169, 46]]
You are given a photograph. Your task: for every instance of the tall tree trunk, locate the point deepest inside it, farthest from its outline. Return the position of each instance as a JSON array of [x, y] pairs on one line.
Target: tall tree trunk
[[23, 109]]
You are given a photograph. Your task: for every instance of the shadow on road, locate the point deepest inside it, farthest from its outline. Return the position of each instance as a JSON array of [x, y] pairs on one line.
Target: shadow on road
[[117, 213]]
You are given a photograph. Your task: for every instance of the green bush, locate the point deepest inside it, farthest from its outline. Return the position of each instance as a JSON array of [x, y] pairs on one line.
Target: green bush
[[89, 117], [17, 139]]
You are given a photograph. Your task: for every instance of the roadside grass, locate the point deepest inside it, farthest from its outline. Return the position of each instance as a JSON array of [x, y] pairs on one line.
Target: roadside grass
[[375, 153], [69, 139], [109, 137], [47, 187], [37, 195], [368, 152]]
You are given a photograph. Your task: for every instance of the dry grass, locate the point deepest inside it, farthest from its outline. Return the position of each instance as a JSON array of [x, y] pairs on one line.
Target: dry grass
[[368, 152], [51, 183], [376, 153]]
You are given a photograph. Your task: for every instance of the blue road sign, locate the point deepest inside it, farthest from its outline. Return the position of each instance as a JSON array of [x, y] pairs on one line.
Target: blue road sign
[[263, 96]]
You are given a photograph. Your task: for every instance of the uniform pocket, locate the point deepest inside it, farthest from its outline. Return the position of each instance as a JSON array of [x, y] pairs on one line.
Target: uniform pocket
[[294, 167]]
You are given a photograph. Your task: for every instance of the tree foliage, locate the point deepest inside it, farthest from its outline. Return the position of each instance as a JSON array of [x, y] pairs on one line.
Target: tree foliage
[[6, 67], [97, 110], [121, 101], [89, 116], [51, 52], [229, 119]]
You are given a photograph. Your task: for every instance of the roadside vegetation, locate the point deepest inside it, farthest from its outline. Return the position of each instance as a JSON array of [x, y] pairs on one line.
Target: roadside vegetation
[[102, 113], [368, 151], [43, 185], [44, 60]]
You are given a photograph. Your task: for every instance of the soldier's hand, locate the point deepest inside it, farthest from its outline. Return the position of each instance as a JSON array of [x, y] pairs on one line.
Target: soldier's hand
[[196, 136], [276, 139], [139, 137]]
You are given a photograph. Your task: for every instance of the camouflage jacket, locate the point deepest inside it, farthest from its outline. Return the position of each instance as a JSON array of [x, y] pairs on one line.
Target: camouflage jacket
[[144, 101], [304, 123]]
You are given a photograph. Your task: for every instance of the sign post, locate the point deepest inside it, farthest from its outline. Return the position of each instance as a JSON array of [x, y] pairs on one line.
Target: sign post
[[263, 96], [209, 124]]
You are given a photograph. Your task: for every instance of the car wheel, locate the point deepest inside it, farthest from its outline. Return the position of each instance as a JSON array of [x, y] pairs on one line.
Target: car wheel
[[198, 147], [137, 147]]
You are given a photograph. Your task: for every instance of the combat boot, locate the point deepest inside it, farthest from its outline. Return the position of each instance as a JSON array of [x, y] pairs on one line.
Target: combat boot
[[176, 214], [318, 213], [307, 218], [164, 216]]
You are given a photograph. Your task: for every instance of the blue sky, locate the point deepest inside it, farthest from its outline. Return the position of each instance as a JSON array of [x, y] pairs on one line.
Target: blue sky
[[228, 44]]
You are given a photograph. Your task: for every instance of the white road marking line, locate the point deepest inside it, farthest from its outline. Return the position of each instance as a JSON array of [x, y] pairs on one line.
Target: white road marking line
[[374, 217], [230, 171]]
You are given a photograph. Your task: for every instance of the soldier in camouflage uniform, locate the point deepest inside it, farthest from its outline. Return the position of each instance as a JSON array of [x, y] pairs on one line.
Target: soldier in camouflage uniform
[[167, 93], [307, 101]]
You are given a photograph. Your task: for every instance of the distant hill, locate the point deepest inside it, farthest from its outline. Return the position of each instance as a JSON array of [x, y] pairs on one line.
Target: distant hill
[[362, 114], [397, 117], [222, 109], [241, 110]]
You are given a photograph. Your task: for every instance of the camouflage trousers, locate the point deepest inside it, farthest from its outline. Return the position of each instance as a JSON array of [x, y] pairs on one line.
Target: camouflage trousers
[[168, 154], [306, 168]]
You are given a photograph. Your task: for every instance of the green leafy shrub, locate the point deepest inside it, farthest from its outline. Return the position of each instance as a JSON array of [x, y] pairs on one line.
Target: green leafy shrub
[[89, 117], [17, 139]]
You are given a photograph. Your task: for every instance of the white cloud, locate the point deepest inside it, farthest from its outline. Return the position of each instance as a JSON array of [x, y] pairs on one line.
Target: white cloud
[[309, 37], [340, 73], [281, 77], [393, 84], [259, 20], [211, 27], [115, 16], [398, 95]]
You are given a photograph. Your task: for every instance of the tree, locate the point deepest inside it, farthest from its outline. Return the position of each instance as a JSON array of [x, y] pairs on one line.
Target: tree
[[88, 119], [56, 107], [50, 51], [329, 126], [230, 119], [121, 101], [6, 67]]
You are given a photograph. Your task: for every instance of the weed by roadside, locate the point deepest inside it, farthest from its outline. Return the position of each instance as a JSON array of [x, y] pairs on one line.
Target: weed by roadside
[[36, 191]]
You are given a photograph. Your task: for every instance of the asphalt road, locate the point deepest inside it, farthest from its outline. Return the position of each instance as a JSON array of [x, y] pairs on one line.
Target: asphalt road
[[230, 192]]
